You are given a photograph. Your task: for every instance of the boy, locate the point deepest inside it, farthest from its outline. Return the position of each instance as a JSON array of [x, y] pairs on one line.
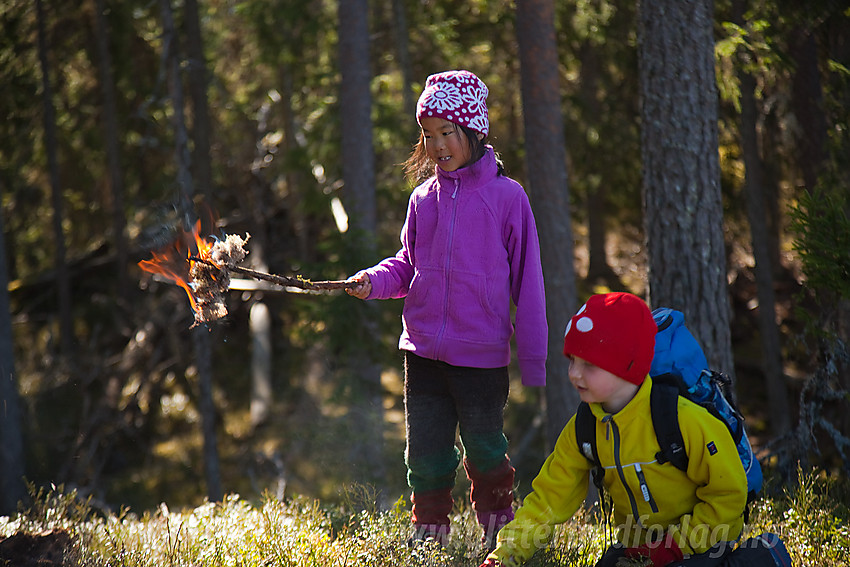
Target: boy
[[664, 515]]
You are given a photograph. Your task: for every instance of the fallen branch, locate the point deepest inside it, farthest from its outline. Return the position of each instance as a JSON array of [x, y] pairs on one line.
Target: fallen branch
[[286, 281]]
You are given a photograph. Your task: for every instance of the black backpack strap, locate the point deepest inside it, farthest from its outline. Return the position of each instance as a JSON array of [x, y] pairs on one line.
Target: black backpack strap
[[663, 404], [586, 439]]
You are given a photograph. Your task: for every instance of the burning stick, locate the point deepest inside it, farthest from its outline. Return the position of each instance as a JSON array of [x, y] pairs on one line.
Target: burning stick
[[208, 277], [286, 281]]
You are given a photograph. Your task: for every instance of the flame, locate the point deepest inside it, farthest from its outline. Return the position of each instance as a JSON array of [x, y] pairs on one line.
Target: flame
[[174, 261]]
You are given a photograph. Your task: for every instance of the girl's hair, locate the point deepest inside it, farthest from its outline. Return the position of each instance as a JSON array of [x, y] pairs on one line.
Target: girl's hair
[[419, 167]]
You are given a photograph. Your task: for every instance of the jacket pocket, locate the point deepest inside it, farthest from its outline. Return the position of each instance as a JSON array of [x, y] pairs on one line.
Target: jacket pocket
[[473, 315], [423, 307]]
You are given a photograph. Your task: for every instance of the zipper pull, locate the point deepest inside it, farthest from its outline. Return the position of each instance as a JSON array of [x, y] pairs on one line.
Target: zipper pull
[[455, 193], [607, 421], [644, 488], [642, 479]]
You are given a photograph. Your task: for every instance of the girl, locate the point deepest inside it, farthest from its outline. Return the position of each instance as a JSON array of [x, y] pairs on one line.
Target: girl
[[468, 247]]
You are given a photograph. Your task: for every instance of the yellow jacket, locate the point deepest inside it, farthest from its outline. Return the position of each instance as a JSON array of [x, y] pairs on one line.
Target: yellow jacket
[[699, 508]]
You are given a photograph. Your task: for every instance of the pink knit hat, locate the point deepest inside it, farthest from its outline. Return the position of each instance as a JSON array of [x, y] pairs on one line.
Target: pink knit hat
[[456, 96], [616, 332]]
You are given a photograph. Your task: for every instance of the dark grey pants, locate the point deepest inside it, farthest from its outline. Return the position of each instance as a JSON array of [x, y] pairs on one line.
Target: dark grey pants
[[761, 551], [439, 400]]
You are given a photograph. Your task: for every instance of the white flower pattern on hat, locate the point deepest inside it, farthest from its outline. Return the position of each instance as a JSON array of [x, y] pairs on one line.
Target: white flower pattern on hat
[[446, 96], [476, 97]]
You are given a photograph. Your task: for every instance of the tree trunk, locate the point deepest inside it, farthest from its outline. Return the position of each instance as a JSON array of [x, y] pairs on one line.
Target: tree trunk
[[197, 71], [812, 149], [261, 362], [112, 143], [294, 176], [63, 284], [358, 171], [355, 102], [259, 319], [200, 334], [549, 195], [771, 136], [171, 59], [681, 177], [203, 357], [807, 102], [403, 52], [597, 268], [12, 488], [777, 391]]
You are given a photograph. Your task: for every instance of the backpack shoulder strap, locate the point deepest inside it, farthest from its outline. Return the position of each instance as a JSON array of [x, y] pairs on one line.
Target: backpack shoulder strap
[[663, 403], [586, 440]]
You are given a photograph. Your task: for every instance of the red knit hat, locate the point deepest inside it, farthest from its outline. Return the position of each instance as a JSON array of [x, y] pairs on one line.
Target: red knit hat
[[616, 332], [456, 96]]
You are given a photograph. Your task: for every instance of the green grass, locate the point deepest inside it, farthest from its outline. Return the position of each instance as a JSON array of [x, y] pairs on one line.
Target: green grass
[[812, 518]]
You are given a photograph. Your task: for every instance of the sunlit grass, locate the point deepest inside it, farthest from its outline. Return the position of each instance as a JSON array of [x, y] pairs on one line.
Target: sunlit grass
[[812, 518]]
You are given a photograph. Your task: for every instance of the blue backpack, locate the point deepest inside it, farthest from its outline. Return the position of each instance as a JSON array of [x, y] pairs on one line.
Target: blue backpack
[[679, 368]]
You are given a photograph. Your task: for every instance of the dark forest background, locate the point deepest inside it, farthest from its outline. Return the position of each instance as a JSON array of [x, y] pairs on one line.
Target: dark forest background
[[123, 122]]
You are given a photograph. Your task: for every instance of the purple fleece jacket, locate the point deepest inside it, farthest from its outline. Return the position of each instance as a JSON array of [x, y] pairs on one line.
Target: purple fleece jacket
[[468, 247]]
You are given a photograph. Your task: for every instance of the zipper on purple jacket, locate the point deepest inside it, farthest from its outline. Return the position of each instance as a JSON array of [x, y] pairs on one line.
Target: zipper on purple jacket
[[448, 273]]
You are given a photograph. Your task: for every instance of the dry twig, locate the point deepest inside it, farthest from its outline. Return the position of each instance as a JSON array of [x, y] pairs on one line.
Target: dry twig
[[286, 281]]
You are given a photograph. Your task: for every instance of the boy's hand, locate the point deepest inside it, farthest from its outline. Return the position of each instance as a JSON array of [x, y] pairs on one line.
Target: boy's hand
[[363, 290], [661, 552]]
